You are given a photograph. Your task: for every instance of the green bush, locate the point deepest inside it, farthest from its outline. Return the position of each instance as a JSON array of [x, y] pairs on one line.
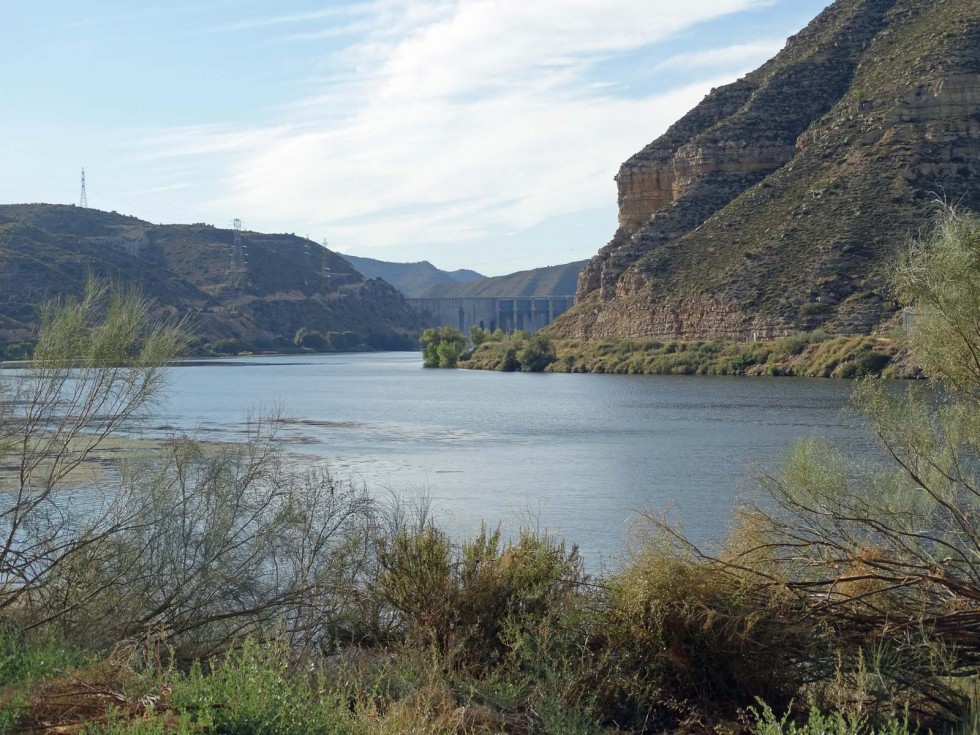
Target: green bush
[[25, 660], [740, 364], [252, 691], [344, 341], [229, 346], [310, 339], [817, 723], [537, 354], [442, 347]]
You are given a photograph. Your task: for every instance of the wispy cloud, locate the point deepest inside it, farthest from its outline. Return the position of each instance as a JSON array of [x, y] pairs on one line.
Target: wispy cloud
[[454, 119], [285, 19], [738, 56]]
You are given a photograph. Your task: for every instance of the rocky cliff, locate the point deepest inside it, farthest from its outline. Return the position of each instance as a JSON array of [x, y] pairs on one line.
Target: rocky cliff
[[278, 283], [780, 202]]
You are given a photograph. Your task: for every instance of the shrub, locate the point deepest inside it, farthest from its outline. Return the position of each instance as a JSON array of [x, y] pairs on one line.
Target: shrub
[[884, 553], [251, 691], [461, 598], [229, 346], [343, 341], [537, 354], [740, 364], [818, 723], [311, 340], [442, 347]]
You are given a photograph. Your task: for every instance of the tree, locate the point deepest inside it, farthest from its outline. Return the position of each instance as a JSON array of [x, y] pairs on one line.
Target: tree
[[479, 335], [199, 543], [98, 366], [887, 552], [537, 354], [219, 542], [442, 347], [311, 339]]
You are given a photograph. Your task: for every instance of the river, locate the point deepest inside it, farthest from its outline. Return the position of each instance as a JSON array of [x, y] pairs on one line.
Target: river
[[577, 455]]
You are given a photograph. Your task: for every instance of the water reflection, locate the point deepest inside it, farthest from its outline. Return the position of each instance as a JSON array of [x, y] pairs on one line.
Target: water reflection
[[574, 454]]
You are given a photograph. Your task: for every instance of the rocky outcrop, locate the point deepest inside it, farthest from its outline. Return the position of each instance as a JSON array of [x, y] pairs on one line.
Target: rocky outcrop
[[778, 203]]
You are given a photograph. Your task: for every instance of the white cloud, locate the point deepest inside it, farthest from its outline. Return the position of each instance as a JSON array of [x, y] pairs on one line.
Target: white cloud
[[738, 56], [454, 119]]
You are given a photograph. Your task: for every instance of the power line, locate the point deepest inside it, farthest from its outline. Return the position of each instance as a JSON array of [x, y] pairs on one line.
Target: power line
[[239, 255]]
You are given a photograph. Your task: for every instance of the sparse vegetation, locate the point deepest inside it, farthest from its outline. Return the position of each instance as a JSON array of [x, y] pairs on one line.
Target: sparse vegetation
[[221, 591], [812, 355]]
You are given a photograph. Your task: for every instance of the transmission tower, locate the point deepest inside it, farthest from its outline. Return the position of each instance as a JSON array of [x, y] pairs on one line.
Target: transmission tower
[[324, 265], [307, 259], [239, 255], [83, 199]]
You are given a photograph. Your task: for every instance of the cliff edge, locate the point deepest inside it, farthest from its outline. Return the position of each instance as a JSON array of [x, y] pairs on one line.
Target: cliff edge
[[780, 203]]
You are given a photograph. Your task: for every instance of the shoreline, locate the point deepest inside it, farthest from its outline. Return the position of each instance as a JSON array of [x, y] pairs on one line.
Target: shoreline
[[810, 355]]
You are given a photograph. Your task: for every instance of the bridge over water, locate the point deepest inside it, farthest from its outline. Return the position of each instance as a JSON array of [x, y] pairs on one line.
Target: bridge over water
[[506, 313]]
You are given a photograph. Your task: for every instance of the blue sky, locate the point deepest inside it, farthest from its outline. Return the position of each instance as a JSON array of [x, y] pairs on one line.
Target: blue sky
[[471, 133]]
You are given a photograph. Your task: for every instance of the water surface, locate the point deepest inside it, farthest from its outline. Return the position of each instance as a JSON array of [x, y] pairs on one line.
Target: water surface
[[578, 455]]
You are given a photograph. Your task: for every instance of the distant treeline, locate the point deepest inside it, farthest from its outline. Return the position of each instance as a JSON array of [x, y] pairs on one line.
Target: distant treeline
[[306, 340]]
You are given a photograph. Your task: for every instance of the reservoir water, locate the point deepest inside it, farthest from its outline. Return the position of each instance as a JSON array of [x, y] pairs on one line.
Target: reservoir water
[[578, 455]]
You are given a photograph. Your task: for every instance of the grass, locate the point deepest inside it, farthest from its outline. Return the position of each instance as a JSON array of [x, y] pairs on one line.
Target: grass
[[815, 355]]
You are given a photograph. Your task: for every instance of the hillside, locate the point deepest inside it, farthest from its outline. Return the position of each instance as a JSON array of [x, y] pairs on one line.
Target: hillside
[[555, 280], [287, 282], [412, 279], [782, 201]]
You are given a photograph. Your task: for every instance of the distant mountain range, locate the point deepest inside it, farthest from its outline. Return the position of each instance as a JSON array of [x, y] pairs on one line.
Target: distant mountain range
[[782, 202], [555, 280], [412, 279], [275, 285]]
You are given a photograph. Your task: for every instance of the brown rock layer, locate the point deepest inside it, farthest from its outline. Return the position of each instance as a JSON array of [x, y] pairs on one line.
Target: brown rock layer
[[780, 202]]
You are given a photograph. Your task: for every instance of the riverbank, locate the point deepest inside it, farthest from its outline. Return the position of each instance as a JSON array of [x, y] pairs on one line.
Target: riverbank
[[813, 355]]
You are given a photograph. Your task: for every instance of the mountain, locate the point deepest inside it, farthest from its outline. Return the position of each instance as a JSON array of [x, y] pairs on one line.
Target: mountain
[[288, 282], [782, 201], [412, 279], [555, 280]]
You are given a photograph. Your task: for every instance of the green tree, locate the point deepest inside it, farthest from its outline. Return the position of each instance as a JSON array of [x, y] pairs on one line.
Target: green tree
[[442, 347], [227, 346], [537, 354], [200, 543], [344, 341], [98, 366], [310, 339], [478, 335], [887, 551]]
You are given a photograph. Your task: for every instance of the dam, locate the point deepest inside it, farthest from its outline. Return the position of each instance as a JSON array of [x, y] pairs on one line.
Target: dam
[[528, 314]]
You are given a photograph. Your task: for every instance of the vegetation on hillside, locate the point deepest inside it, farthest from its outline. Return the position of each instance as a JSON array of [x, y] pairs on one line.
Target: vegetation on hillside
[[282, 283], [223, 589], [555, 280], [813, 355], [840, 158], [412, 279]]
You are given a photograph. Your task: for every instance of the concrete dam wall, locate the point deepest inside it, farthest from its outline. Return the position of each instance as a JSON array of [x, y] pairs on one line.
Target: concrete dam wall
[[508, 314]]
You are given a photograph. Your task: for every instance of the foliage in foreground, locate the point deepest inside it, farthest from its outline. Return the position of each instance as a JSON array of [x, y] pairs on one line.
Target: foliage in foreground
[[227, 592]]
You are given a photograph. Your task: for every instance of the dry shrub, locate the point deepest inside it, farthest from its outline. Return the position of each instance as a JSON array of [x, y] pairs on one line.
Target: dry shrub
[[80, 699], [460, 598], [682, 638]]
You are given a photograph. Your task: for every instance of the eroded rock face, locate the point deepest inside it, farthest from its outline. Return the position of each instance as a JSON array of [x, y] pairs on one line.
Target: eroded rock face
[[778, 203]]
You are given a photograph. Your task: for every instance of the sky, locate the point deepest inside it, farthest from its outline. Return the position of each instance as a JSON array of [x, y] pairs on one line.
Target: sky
[[478, 134]]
